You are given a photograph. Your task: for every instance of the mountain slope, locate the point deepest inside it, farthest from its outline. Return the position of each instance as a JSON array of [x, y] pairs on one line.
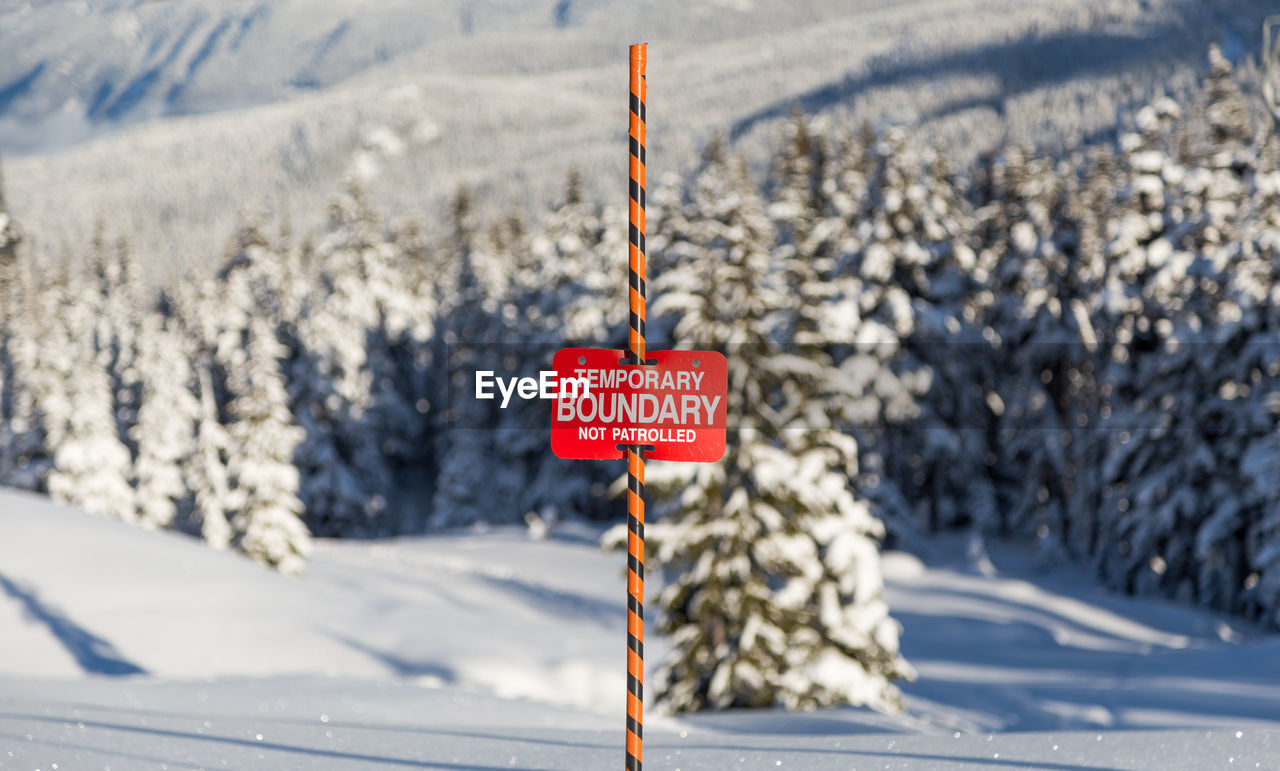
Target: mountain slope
[[169, 119]]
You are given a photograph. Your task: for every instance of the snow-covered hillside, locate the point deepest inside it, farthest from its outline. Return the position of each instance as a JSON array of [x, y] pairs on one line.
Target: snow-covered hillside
[[132, 649], [168, 120]]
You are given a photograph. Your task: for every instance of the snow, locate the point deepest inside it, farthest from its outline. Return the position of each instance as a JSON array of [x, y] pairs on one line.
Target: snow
[[129, 648], [170, 110]]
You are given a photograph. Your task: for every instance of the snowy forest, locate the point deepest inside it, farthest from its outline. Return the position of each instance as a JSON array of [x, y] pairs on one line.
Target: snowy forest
[[1079, 350]]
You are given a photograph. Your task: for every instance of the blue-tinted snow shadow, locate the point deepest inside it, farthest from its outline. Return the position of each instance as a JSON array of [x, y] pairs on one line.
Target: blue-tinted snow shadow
[[20, 86], [1017, 65], [119, 712], [94, 654], [842, 721], [577, 533], [400, 665], [1011, 670], [557, 601], [61, 745], [259, 746], [1034, 662], [1011, 631], [947, 761], [1023, 64]]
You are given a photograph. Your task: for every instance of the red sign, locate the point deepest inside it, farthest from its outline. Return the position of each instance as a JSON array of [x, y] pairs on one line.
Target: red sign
[[676, 406]]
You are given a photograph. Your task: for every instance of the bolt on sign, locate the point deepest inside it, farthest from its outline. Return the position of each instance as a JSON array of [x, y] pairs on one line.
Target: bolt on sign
[[675, 405]]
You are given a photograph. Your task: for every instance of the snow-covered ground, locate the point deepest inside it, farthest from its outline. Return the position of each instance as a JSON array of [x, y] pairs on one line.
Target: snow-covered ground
[[125, 648], [169, 121]]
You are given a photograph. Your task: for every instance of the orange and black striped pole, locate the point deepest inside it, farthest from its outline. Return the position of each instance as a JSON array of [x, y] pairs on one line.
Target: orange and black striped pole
[[635, 453]]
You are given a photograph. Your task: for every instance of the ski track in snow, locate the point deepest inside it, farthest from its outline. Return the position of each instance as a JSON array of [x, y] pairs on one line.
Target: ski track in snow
[[127, 648]]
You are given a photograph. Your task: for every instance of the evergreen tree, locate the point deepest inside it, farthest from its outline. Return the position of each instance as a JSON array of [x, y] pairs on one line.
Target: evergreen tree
[[38, 358], [1226, 110], [469, 324], [799, 200], [165, 433], [347, 386], [561, 292], [920, 278], [10, 237], [268, 523], [823, 310], [91, 467], [568, 292], [1046, 349], [1184, 379], [206, 470], [774, 592], [1236, 546], [9, 300], [119, 295]]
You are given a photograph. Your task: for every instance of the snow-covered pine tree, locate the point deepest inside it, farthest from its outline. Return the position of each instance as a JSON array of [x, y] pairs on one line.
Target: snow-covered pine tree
[[1253, 381], [206, 470], [846, 184], [268, 521], [798, 199], [1238, 545], [214, 315], [565, 283], [668, 226], [1171, 510], [774, 593], [347, 389], [920, 278], [366, 267], [1226, 109], [240, 325], [338, 501], [1149, 370], [7, 384], [9, 319], [1045, 349], [799, 208], [822, 314], [91, 467], [10, 236], [165, 433], [526, 336], [1091, 206], [469, 325], [561, 293], [1217, 146], [38, 357], [119, 296]]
